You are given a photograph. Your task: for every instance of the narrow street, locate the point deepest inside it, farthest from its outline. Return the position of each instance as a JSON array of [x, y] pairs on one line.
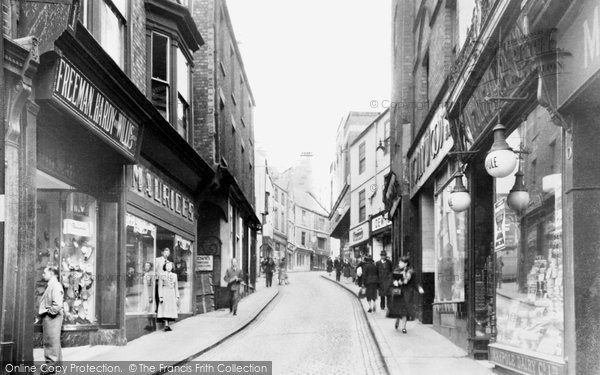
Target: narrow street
[[312, 327]]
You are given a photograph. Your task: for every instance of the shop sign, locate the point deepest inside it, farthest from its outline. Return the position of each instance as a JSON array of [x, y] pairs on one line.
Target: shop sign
[[77, 228], [500, 225], [582, 41], [204, 262], [525, 364], [380, 222], [75, 91], [148, 185], [359, 234], [433, 146], [515, 61]]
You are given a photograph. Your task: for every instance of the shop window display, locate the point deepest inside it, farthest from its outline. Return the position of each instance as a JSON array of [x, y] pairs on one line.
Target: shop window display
[[528, 244], [450, 246], [145, 243], [66, 239], [141, 242]]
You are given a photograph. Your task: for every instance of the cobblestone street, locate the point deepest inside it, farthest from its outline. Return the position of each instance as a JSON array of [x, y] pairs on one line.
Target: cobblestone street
[[312, 327]]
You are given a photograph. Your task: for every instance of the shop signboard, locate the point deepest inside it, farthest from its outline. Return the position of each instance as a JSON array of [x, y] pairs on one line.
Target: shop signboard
[[155, 189], [523, 363], [204, 262], [379, 222], [434, 145], [581, 40], [359, 234], [97, 111]]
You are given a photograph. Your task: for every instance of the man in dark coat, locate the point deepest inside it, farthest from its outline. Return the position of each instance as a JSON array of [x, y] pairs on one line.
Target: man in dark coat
[[337, 265], [269, 268], [384, 271]]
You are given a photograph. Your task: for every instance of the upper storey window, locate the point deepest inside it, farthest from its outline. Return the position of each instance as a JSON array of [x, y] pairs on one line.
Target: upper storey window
[[107, 21]]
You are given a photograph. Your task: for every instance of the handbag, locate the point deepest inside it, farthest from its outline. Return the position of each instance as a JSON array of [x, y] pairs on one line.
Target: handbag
[[396, 292], [362, 292]]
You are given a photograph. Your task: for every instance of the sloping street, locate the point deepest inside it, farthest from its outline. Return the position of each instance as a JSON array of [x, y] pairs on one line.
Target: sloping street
[[312, 327]]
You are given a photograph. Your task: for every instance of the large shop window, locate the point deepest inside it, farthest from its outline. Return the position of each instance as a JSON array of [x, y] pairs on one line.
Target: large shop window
[[450, 245], [528, 244], [145, 243], [66, 235]]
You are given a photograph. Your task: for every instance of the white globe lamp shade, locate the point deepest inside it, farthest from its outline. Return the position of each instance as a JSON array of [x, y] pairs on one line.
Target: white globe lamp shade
[[460, 199], [518, 199], [500, 161]]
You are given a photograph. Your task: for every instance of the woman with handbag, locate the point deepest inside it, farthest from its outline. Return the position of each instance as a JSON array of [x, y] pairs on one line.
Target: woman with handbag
[[370, 281], [402, 293], [168, 294]]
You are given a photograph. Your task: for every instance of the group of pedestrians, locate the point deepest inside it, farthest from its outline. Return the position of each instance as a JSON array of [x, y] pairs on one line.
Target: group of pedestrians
[[340, 267], [396, 287], [269, 267]]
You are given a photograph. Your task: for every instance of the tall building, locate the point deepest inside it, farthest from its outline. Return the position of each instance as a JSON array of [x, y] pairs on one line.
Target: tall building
[[370, 229], [101, 174], [224, 135], [349, 128], [511, 263]]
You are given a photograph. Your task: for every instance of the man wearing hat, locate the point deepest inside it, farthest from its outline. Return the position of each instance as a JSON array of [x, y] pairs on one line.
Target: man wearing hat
[[384, 270]]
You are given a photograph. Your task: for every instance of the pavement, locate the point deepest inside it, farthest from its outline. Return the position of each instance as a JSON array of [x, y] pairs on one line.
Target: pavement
[[188, 339], [421, 351]]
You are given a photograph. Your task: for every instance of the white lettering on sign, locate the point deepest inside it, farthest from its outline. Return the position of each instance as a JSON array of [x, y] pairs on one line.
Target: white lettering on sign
[[153, 188], [433, 146], [591, 39], [72, 88]]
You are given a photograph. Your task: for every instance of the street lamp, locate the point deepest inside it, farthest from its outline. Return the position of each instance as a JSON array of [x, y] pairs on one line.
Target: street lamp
[[501, 159], [518, 198], [460, 199]]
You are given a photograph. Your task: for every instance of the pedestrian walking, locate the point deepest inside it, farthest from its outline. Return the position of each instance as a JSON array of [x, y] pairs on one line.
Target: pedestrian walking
[[329, 266], [234, 279], [283, 277], [347, 271], [269, 268], [370, 280], [51, 314], [402, 292], [384, 271], [168, 294], [337, 265]]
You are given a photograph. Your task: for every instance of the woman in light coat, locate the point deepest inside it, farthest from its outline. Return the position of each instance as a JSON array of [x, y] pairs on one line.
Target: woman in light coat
[[168, 294]]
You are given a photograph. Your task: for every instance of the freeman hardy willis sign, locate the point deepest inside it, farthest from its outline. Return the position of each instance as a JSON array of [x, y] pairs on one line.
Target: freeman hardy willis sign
[[76, 93]]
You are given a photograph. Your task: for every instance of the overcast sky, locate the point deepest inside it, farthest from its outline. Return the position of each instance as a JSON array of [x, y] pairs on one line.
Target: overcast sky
[[309, 62]]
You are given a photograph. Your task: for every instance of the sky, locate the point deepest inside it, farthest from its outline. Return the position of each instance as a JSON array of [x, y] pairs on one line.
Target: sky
[[308, 63]]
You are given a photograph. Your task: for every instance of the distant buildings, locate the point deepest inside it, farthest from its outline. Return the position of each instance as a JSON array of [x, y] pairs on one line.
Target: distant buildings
[[296, 224], [351, 126]]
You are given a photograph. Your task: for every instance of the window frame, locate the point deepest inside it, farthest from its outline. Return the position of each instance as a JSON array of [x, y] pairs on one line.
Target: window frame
[[362, 158], [362, 206]]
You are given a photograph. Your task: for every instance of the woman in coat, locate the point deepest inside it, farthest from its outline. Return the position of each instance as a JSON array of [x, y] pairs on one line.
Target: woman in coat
[[370, 280], [329, 266], [403, 288], [168, 294]]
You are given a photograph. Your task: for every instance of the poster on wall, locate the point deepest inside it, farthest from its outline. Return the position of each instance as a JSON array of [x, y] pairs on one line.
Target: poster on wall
[[499, 225], [204, 262]]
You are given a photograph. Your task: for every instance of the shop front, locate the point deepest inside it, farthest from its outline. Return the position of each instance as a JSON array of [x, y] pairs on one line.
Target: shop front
[[381, 234], [359, 241], [516, 262], [85, 137], [159, 221]]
